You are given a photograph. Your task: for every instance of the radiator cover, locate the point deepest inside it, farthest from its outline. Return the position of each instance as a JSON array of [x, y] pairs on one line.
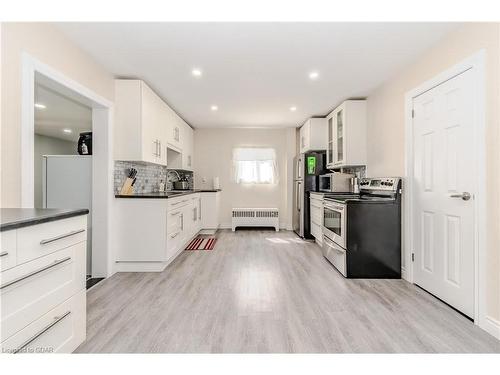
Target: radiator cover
[[255, 217]]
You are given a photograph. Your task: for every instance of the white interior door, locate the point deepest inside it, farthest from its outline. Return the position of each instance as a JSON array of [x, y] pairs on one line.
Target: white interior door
[[443, 216]]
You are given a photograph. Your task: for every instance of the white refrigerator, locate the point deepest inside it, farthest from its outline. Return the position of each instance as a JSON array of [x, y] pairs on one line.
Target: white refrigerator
[[67, 183]]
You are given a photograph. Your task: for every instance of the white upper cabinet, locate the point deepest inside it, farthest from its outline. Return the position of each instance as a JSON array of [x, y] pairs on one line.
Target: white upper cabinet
[[141, 119], [146, 127], [312, 135], [346, 135], [175, 136], [187, 136]]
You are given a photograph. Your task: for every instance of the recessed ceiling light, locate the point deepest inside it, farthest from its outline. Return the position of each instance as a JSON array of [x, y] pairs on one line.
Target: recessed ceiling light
[[214, 108], [313, 75], [68, 131], [40, 105], [293, 109], [196, 72]]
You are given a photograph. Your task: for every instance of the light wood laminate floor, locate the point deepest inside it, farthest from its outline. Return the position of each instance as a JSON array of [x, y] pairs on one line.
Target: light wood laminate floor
[[267, 292]]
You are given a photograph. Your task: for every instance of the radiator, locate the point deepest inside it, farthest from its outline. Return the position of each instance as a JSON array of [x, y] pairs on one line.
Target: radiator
[[255, 217]]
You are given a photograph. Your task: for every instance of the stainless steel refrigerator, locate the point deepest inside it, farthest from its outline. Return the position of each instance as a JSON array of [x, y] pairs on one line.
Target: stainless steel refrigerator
[[307, 168], [67, 183]]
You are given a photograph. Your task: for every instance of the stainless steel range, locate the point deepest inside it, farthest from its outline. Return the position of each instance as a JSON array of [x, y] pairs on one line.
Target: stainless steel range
[[362, 232]]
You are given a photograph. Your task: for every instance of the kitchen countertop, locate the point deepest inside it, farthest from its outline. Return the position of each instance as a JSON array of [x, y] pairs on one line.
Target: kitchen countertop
[[168, 194], [14, 218]]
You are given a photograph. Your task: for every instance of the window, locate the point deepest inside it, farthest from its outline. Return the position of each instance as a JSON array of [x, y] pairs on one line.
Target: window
[[255, 165]]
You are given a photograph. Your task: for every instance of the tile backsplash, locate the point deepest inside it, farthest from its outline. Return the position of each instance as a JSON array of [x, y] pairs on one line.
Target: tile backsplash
[[148, 176]]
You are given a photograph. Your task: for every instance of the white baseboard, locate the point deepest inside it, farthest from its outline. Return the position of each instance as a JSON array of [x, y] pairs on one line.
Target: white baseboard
[[492, 326], [140, 266]]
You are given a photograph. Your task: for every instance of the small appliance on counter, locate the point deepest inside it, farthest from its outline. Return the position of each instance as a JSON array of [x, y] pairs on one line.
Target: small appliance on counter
[[182, 184], [335, 182], [128, 185], [216, 183], [362, 232], [85, 143]]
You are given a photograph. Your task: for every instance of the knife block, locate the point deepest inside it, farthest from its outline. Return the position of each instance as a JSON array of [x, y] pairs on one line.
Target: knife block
[[127, 188]]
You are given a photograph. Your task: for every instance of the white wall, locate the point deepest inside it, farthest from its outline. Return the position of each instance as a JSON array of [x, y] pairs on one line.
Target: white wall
[[386, 128], [48, 45], [48, 146], [213, 150]]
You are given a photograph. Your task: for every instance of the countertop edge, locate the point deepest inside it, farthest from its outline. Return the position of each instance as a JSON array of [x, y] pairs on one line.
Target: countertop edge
[[165, 196], [42, 219]]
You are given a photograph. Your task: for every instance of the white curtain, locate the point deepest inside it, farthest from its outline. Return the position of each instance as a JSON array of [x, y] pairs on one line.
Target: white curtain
[[253, 165]]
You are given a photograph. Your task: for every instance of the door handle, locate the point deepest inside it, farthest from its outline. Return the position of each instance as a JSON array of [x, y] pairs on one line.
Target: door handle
[[465, 195]]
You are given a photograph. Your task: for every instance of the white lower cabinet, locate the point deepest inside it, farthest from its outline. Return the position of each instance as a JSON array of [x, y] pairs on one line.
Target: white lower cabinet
[[43, 290], [210, 208], [316, 212], [153, 232], [60, 330]]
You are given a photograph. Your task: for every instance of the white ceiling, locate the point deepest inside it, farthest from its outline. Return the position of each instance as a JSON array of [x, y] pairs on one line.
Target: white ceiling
[[254, 72], [60, 112]]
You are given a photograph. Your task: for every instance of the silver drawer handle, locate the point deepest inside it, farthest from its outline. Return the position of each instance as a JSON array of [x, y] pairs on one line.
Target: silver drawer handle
[[33, 273], [175, 213], [4, 253], [174, 235], [176, 203], [57, 319], [44, 242]]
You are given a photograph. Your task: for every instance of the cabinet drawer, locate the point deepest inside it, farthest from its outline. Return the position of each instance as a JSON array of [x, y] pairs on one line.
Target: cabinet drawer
[[61, 330], [173, 243], [39, 240], [174, 221], [336, 255], [175, 203], [31, 289], [8, 249]]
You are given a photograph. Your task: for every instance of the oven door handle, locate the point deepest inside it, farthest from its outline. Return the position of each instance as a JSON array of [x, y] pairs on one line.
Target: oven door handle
[[334, 207], [333, 245]]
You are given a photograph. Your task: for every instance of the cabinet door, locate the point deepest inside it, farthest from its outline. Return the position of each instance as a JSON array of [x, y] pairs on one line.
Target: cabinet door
[[162, 131], [302, 140], [330, 150], [339, 137], [187, 147], [174, 137], [149, 119]]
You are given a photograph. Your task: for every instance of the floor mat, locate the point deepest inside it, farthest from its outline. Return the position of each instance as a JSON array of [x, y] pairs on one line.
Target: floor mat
[[202, 243]]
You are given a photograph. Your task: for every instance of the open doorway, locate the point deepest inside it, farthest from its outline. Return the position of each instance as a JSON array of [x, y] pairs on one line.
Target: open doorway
[[63, 154], [55, 111]]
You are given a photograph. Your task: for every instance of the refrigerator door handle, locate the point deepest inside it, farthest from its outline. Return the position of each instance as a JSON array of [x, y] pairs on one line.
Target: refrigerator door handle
[[298, 196]]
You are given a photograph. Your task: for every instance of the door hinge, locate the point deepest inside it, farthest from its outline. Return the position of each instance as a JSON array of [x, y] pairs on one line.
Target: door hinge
[[412, 113], [413, 257]]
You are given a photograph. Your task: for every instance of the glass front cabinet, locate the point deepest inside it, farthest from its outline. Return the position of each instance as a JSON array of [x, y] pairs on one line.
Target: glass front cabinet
[[347, 135], [330, 151]]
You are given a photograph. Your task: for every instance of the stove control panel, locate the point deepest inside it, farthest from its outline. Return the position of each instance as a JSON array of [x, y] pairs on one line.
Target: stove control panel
[[382, 183]]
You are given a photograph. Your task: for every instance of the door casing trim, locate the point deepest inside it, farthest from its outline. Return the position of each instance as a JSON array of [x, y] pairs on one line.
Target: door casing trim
[[475, 63]]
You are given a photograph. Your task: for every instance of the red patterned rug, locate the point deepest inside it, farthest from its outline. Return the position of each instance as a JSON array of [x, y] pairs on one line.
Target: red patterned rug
[[202, 243]]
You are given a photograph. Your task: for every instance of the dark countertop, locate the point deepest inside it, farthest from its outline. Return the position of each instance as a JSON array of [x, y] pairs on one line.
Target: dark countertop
[[168, 194], [14, 218]]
